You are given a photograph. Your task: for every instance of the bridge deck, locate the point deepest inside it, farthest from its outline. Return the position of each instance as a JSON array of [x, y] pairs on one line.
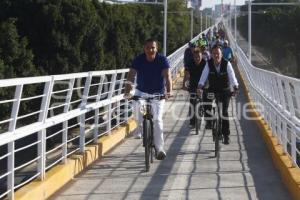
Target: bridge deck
[[243, 171]]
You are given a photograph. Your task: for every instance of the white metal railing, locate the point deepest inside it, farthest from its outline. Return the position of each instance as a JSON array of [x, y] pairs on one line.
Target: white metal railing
[[278, 100], [64, 114]]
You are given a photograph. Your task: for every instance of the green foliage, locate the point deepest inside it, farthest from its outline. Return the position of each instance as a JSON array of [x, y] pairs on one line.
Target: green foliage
[[277, 31], [15, 56], [65, 36]]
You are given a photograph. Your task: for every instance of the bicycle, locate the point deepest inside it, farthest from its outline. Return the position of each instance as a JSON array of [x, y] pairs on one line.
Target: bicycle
[[198, 112], [198, 109], [216, 122], [148, 138], [217, 119]]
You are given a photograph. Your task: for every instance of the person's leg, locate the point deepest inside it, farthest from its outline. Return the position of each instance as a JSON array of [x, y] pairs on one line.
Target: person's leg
[[157, 111], [191, 108], [207, 110], [225, 99], [138, 116]]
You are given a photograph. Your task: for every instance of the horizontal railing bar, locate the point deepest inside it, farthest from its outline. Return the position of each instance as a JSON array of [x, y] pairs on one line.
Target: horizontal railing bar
[[55, 148], [4, 194], [27, 163], [5, 121], [24, 81], [34, 97], [4, 175], [60, 91], [27, 181], [27, 146], [54, 163], [7, 101], [54, 134], [71, 152], [4, 156], [28, 115]]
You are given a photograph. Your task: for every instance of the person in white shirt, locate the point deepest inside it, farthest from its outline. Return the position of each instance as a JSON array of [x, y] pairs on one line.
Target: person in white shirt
[[221, 78]]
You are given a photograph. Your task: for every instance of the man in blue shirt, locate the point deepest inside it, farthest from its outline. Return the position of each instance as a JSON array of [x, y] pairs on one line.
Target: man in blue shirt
[[227, 52], [153, 78]]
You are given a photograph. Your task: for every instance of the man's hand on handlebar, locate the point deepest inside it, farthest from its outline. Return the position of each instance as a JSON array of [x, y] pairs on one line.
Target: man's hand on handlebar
[[200, 91], [235, 90]]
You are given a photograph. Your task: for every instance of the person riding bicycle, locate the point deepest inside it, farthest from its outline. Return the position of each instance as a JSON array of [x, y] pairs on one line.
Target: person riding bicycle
[[192, 74], [153, 79], [227, 52], [188, 54], [221, 77]]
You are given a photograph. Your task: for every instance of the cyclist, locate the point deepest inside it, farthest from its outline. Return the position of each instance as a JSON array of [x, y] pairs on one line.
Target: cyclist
[[205, 53], [192, 74], [188, 54], [203, 41], [227, 52], [152, 73], [221, 77]]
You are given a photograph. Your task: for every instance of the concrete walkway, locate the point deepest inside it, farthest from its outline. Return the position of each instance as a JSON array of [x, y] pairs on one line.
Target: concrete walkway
[[190, 171]]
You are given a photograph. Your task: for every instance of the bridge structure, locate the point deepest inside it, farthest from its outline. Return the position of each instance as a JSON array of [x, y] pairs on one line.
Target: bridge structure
[[74, 142]]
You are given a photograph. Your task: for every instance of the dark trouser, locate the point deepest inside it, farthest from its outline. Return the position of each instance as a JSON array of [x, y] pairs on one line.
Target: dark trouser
[[224, 99], [193, 97]]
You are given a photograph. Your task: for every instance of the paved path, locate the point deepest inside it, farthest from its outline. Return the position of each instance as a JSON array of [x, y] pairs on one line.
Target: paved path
[[243, 171]]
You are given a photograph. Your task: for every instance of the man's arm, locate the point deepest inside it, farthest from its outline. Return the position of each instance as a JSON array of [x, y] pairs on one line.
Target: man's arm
[[129, 81], [204, 76], [231, 75], [167, 75]]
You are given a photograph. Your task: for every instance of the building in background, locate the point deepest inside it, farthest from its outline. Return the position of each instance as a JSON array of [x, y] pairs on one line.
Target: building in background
[[195, 4]]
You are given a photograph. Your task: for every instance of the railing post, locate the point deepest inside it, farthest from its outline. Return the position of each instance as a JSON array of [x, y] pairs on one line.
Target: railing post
[[42, 134], [284, 141], [11, 145], [121, 83], [293, 145], [110, 95], [82, 117], [65, 123], [289, 98], [96, 121]]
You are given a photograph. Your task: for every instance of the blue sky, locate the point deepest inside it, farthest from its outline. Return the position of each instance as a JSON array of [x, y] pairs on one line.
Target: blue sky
[[211, 3]]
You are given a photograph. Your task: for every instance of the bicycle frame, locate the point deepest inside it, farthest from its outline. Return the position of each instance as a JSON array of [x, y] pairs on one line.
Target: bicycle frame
[[217, 122], [148, 138], [198, 112]]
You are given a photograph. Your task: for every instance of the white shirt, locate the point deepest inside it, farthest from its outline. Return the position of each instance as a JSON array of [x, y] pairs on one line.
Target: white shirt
[[230, 72]]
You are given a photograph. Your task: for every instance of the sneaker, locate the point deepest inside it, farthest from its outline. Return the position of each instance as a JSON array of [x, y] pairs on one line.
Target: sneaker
[[226, 140], [138, 136], [161, 155]]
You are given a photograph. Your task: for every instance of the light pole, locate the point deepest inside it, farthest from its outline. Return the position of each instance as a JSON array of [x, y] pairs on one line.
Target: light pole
[[249, 30], [201, 21], [235, 20], [192, 23], [165, 26]]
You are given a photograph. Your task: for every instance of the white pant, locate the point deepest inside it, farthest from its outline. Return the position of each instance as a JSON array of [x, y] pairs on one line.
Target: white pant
[[157, 107]]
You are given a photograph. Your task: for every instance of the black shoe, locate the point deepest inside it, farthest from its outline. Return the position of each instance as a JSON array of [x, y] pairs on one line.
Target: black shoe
[[161, 155], [226, 140], [208, 125]]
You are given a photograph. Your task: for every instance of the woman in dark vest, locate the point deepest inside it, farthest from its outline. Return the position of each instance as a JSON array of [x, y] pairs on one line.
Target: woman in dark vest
[[221, 78], [192, 74]]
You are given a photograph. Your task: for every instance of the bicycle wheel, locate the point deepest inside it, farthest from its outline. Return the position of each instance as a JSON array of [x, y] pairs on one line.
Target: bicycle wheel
[[146, 135], [151, 141]]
